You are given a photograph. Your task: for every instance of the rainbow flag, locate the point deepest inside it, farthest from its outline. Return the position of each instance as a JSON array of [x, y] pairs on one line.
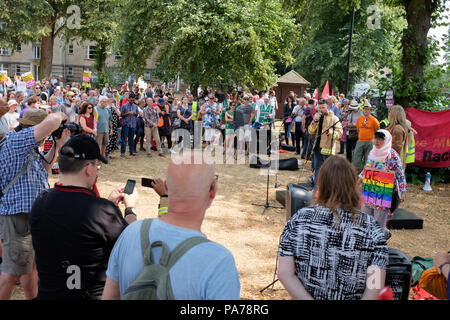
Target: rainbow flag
[[378, 187]]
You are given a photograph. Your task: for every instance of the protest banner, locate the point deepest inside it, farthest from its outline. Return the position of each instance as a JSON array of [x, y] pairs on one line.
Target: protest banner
[[432, 142], [87, 75], [378, 187], [29, 79]]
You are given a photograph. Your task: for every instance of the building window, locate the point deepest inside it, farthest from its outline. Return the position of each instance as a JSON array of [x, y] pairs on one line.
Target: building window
[[70, 71], [18, 69], [36, 52], [70, 49], [19, 48], [90, 52], [36, 73], [147, 75], [4, 52], [4, 67]]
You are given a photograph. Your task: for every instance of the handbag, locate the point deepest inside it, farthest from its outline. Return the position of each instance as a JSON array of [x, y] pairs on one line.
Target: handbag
[[177, 122], [288, 120]]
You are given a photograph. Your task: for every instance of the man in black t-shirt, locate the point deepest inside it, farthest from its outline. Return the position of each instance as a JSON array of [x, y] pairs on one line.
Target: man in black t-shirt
[[73, 230]]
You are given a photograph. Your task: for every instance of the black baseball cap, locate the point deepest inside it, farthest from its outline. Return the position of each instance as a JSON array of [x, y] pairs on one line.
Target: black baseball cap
[[84, 148]]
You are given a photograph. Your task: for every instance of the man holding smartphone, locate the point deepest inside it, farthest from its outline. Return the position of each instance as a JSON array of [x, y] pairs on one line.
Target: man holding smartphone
[[73, 230]]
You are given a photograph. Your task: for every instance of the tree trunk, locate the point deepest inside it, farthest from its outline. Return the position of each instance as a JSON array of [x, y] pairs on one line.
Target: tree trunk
[[414, 41], [45, 65]]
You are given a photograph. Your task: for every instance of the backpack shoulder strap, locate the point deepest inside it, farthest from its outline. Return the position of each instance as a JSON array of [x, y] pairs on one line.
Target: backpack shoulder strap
[[145, 241], [182, 248], [146, 247]]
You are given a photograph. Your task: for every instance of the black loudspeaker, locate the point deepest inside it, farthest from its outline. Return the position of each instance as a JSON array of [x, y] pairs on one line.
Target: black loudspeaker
[[398, 274], [297, 197], [288, 164], [285, 164]]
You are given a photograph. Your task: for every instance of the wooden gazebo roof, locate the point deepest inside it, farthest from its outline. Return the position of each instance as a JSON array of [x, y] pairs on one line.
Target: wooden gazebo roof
[[292, 77]]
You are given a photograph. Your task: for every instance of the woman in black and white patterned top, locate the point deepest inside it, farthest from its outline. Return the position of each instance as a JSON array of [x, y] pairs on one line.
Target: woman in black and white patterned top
[[329, 250]]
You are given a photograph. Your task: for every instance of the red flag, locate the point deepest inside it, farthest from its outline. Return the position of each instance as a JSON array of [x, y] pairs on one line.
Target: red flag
[[332, 92], [317, 94], [326, 91]]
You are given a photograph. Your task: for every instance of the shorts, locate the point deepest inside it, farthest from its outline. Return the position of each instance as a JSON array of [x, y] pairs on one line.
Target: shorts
[[17, 252], [244, 133], [229, 132], [102, 139], [210, 134]]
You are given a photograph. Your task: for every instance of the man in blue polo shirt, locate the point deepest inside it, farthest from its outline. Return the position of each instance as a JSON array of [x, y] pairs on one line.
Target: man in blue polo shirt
[[20, 159], [104, 126]]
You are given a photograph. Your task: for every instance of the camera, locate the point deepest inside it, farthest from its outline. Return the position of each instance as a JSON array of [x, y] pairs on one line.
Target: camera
[[74, 128]]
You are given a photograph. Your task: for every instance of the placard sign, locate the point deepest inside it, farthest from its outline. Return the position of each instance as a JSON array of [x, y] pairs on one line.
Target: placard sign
[[87, 76], [389, 98], [29, 79], [378, 187]]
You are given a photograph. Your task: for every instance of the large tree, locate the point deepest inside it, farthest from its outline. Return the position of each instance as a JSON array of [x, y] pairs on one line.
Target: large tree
[[321, 54], [25, 21], [208, 42]]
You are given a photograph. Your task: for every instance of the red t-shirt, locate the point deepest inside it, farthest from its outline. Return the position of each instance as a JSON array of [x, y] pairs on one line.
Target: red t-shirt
[[89, 122]]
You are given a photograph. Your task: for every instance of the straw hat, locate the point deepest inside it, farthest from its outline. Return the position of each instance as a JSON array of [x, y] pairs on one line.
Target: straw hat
[[32, 117]]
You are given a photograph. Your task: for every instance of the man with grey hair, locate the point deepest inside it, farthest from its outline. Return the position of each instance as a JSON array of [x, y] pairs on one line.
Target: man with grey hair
[[20, 98], [104, 125], [331, 101], [206, 271]]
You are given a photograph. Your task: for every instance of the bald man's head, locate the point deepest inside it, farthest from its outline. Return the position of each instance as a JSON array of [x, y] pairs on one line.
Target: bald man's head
[[185, 179]]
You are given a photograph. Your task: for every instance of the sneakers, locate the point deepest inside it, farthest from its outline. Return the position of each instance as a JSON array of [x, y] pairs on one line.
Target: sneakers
[[161, 155], [142, 149], [172, 152], [122, 155]]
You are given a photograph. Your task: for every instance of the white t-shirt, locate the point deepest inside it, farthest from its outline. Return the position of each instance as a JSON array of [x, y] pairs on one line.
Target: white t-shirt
[[12, 119]]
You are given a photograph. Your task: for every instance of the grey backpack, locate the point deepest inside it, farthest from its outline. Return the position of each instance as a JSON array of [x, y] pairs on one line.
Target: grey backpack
[[153, 282]]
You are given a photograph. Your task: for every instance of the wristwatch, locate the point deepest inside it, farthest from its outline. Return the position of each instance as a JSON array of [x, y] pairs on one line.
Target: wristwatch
[[130, 210]]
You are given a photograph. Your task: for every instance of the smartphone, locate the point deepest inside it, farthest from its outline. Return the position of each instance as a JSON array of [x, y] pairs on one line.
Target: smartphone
[[129, 188], [146, 182]]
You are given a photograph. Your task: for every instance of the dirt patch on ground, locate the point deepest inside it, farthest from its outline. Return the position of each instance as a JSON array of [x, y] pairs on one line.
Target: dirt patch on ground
[[252, 237]]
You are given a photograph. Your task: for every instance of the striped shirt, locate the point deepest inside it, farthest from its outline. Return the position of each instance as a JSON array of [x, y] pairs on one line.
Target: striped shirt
[[14, 155], [331, 262]]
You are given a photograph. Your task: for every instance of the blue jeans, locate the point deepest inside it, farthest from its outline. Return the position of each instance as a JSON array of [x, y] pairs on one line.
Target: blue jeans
[[127, 133], [318, 160], [306, 136]]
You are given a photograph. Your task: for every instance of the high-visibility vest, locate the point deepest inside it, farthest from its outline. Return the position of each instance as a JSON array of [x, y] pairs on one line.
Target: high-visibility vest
[[265, 110], [385, 122], [194, 110], [161, 118], [411, 151]]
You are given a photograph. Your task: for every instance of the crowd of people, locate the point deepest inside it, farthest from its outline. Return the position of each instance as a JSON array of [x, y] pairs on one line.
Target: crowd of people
[[327, 250]]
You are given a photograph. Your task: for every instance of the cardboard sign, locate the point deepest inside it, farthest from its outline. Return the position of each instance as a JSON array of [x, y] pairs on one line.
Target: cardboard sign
[[389, 99], [378, 187], [29, 79], [87, 76], [21, 86]]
